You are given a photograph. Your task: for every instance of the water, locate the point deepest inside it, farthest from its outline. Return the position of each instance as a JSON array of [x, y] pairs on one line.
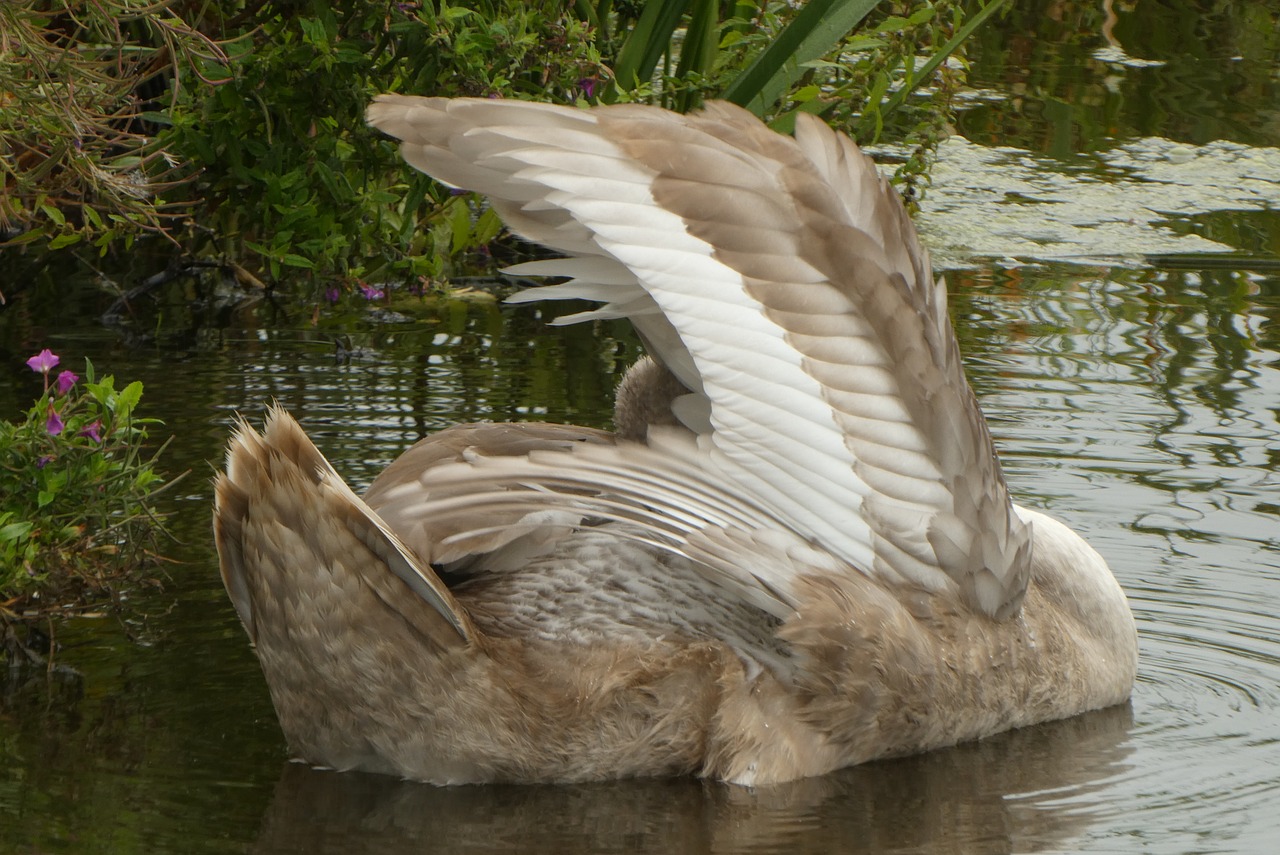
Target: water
[[1137, 399]]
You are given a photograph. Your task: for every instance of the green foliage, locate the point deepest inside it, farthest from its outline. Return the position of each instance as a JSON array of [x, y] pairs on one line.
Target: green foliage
[[944, 41], [75, 487], [818, 28], [763, 57], [855, 62], [237, 129], [289, 172], [77, 163]]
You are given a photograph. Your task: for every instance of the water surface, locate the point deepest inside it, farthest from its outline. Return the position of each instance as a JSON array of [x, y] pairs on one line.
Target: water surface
[[1136, 398]]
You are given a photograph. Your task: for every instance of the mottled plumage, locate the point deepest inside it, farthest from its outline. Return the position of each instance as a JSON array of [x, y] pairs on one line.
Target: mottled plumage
[[798, 552]]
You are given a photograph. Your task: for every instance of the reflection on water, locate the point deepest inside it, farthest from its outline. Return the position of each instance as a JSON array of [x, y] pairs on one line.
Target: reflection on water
[[1054, 63], [1158, 436], [909, 805]]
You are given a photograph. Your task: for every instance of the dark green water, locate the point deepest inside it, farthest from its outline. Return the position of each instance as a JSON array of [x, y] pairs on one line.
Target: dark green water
[[1138, 401]]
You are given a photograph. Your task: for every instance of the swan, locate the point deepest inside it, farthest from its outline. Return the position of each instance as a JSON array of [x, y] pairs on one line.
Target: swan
[[797, 552]]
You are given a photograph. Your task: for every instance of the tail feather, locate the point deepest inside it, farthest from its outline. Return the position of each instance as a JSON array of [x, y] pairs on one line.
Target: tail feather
[[284, 521]]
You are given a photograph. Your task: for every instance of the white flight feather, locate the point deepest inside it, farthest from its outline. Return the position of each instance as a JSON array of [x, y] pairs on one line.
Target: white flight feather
[[730, 340], [805, 411]]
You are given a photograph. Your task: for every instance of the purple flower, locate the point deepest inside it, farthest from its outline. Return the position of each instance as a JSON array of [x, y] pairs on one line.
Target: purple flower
[[66, 379], [43, 461], [588, 87], [332, 294], [44, 361], [371, 293], [53, 423], [93, 430]]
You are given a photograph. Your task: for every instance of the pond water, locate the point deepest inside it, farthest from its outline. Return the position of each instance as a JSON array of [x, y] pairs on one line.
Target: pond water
[[1138, 398]]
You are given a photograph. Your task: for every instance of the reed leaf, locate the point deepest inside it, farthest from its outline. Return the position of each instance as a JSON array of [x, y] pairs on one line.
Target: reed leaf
[[648, 41], [817, 29], [925, 71], [701, 44]]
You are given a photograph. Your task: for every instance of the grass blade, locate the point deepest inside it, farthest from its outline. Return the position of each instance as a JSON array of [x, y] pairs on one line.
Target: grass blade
[[925, 72], [818, 28], [648, 40]]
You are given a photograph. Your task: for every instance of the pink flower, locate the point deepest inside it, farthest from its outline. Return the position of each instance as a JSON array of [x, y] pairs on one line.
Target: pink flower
[[93, 430], [66, 379], [53, 423], [44, 361]]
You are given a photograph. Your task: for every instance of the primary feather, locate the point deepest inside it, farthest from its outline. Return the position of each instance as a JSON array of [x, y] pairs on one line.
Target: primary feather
[[793, 298]]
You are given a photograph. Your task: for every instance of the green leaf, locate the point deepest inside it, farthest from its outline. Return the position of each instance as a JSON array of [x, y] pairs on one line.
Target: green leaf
[[129, 397], [453, 14], [156, 117], [459, 226], [925, 72], [487, 227], [65, 239], [921, 15], [817, 29], [27, 237], [701, 43], [805, 94], [648, 40], [892, 24], [313, 31], [53, 213], [872, 113], [15, 531], [586, 12]]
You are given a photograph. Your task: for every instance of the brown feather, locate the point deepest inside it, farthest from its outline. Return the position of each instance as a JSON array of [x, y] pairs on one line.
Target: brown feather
[[626, 606]]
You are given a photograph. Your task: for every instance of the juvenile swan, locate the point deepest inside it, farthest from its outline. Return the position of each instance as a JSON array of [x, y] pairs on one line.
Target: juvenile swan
[[798, 552]]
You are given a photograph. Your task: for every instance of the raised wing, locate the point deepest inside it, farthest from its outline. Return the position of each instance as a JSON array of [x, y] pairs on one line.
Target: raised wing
[[781, 281]]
